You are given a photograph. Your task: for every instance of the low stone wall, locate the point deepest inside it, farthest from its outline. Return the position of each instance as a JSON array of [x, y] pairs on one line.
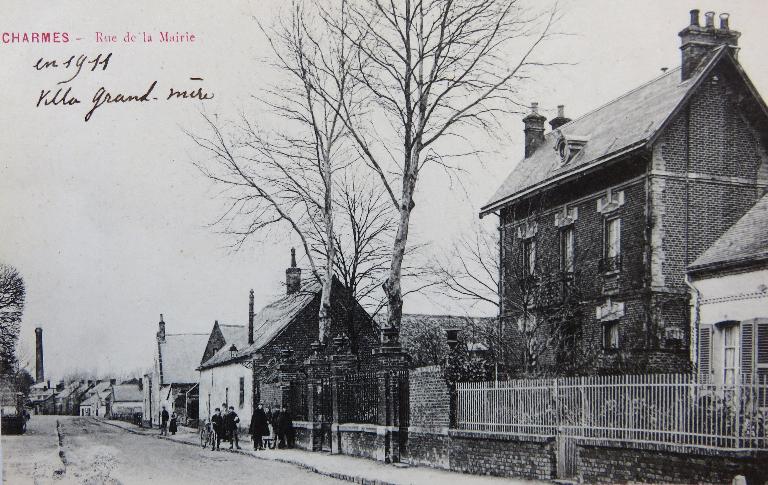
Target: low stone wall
[[360, 440], [305, 435], [505, 455], [427, 447], [632, 463]]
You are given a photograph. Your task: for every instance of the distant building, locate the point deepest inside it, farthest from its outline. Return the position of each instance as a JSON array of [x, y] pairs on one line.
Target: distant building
[[730, 306], [125, 401], [613, 206], [42, 398], [173, 381], [95, 400]]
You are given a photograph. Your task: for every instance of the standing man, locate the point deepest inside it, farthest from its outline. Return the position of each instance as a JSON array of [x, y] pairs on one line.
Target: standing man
[[259, 427], [164, 422], [230, 423], [218, 428]]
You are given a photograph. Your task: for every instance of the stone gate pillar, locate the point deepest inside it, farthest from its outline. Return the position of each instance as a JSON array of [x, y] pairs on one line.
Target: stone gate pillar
[[391, 361], [318, 368]]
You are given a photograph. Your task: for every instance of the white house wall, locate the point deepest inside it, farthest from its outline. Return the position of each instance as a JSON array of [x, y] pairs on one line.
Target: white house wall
[[213, 391], [733, 297]]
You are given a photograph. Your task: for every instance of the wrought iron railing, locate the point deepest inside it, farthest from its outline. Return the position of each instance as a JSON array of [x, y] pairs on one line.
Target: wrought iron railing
[[610, 264]]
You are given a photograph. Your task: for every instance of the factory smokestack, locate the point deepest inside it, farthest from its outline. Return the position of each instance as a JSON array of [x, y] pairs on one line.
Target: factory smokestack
[[39, 372]]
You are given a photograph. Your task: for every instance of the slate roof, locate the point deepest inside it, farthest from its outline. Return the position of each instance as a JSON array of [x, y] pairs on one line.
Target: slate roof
[[234, 333], [624, 124], [127, 393], [268, 323], [745, 242], [180, 356]]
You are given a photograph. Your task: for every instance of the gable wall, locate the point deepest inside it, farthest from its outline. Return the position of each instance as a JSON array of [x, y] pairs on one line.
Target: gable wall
[[215, 343], [704, 178]]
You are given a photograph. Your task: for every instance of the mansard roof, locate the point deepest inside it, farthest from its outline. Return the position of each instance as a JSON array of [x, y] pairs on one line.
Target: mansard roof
[[745, 243], [628, 123]]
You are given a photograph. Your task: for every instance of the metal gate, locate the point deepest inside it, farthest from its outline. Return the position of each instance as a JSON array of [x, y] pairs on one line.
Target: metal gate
[[324, 411]]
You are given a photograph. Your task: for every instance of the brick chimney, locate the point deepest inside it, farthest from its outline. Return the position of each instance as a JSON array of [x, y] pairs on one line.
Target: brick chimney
[[698, 42], [293, 275], [250, 317], [560, 120], [534, 130], [39, 371], [161, 330]]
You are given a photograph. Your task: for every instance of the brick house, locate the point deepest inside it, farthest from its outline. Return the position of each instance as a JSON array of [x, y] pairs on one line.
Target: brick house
[[290, 322], [730, 309], [600, 220]]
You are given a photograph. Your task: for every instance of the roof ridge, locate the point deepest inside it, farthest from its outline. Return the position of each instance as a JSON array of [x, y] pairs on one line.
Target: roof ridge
[[180, 334], [625, 94]]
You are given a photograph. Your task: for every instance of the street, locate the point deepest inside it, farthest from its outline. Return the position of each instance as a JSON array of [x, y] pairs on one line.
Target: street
[[96, 453]]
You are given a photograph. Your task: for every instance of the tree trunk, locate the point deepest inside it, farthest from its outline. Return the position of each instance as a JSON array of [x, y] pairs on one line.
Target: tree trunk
[[324, 314], [392, 286]]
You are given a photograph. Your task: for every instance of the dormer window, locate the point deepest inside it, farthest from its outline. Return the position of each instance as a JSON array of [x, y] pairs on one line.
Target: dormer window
[[568, 146]]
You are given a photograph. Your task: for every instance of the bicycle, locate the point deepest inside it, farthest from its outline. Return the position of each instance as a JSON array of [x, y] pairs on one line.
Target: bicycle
[[207, 435]]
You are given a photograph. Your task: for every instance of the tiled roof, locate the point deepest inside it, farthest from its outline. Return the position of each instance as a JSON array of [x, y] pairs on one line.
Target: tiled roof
[[626, 123], [127, 392], [180, 356], [269, 322], [746, 241]]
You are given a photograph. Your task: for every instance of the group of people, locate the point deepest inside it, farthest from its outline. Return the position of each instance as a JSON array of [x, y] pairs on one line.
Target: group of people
[[168, 423], [225, 427], [276, 425]]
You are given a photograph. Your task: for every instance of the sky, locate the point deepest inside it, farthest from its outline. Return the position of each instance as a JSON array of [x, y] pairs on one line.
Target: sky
[[109, 222]]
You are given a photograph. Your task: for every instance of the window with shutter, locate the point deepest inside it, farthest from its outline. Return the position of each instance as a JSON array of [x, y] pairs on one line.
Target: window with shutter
[[705, 352], [761, 349], [747, 355]]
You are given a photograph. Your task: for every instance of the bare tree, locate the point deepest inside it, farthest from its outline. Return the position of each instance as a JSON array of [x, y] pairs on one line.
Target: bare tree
[[12, 297], [430, 70], [303, 170], [469, 271]]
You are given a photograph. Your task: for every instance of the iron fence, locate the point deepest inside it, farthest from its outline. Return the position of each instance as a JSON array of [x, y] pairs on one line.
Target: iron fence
[[661, 409], [297, 400], [358, 397]]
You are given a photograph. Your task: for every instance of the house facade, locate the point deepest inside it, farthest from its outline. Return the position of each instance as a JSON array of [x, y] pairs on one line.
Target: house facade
[[290, 323], [602, 217], [173, 381], [730, 305]]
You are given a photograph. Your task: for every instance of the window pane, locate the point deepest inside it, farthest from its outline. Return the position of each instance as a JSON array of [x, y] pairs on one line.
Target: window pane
[[567, 250], [613, 238]]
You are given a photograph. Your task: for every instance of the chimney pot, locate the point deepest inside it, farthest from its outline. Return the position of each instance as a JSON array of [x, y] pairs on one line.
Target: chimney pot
[[293, 275], [698, 43], [534, 130], [161, 330], [560, 120], [695, 17], [724, 21], [250, 317], [709, 20]]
